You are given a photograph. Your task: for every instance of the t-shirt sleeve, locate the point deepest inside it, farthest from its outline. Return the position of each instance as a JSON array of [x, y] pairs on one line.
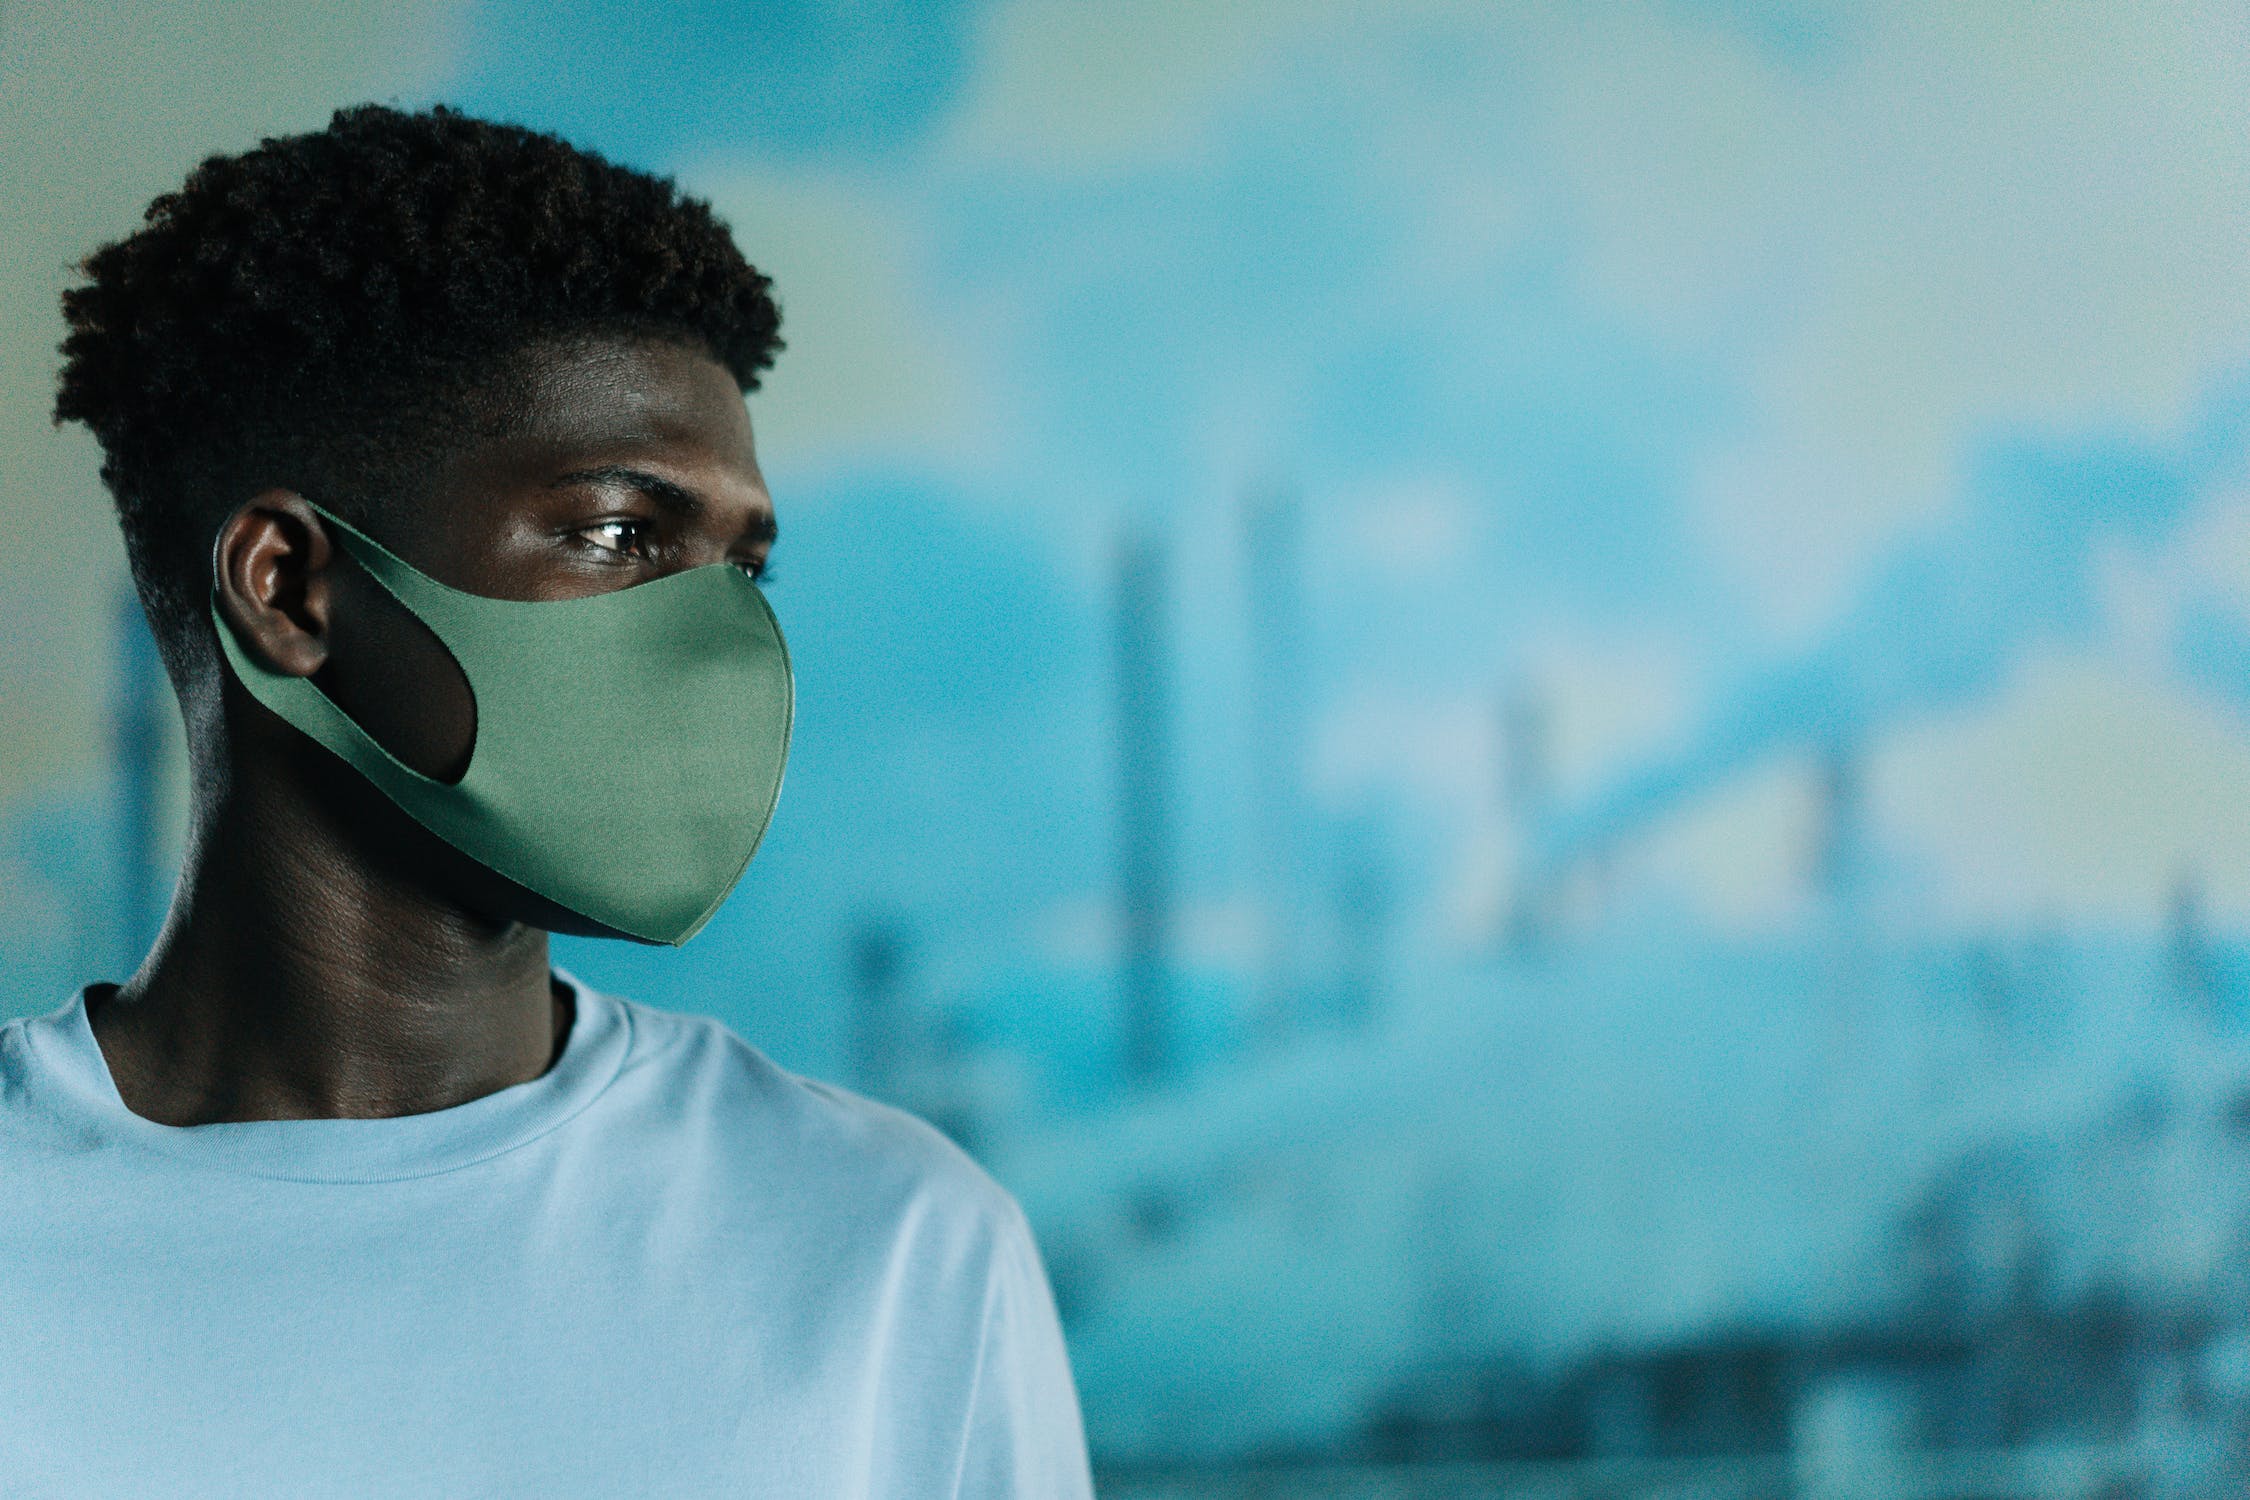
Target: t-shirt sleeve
[[1025, 1440]]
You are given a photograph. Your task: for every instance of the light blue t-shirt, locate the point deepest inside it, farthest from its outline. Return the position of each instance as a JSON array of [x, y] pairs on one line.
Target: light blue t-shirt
[[666, 1267]]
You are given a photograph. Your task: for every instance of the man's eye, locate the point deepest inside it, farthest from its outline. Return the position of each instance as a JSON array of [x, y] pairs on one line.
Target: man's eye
[[626, 538]]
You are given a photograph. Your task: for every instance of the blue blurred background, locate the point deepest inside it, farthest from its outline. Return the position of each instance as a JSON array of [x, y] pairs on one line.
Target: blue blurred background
[[1539, 714]]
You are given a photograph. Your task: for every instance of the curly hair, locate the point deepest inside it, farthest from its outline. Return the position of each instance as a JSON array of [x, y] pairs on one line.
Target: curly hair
[[325, 312]]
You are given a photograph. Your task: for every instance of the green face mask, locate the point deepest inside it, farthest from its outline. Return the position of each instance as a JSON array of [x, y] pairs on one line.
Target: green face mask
[[629, 745]]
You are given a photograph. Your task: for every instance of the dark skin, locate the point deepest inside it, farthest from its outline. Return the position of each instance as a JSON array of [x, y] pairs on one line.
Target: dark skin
[[326, 957]]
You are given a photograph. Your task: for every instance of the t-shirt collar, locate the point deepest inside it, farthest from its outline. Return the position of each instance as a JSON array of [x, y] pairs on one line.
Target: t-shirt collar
[[67, 1069]]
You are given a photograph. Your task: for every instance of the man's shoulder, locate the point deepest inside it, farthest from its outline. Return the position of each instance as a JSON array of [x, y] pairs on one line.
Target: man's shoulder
[[858, 1154]]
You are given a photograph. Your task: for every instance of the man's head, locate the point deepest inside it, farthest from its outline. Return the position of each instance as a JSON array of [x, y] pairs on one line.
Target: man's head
[[517, 366], [353, 313]]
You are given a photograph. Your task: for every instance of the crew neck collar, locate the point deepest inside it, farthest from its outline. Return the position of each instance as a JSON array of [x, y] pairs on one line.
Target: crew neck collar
[[68, 1069]]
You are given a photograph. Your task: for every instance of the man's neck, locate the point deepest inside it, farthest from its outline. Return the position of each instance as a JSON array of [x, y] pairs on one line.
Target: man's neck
[[299, 977]]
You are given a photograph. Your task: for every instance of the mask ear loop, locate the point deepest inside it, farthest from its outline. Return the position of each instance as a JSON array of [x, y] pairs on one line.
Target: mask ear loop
[[299, 701], [356, 544]]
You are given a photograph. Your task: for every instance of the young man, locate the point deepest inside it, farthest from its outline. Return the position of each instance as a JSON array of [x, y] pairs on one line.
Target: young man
[[428, 440]]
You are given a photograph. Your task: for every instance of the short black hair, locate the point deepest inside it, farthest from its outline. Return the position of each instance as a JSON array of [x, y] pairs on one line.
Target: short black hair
[[318, 314]]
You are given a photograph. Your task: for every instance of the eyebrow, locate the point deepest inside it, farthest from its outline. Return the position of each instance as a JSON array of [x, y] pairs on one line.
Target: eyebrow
[[676, 498]]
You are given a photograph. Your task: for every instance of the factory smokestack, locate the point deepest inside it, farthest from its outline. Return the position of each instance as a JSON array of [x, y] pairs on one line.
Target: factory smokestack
[[1143, 675], [1527, 793], [1273, 589]]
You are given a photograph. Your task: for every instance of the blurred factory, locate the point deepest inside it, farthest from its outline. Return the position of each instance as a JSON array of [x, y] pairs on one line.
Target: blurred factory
[[1868, 1206]]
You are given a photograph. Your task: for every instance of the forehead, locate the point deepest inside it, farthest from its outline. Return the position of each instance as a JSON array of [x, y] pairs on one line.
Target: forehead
[[613, 393], [568, 410]]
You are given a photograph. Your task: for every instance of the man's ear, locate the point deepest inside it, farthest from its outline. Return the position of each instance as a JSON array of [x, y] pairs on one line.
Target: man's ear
[[271, 565]]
